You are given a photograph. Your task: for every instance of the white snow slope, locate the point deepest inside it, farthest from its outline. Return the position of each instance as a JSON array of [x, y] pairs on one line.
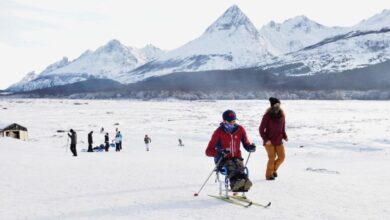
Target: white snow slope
[[107, 62], [231, 42], [364, 44], [295, 34], [375, 22], [341, 172]]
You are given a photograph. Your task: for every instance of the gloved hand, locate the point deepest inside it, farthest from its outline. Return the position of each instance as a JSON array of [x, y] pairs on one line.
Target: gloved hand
[[225, 152], [251, 148]]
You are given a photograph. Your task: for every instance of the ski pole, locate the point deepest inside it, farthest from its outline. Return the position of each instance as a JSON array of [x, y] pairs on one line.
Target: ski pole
[[247, 159], [214, 169], [67, 144]]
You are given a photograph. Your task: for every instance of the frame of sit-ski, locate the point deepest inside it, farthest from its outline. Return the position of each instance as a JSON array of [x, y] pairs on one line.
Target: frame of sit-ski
[[224, 187]]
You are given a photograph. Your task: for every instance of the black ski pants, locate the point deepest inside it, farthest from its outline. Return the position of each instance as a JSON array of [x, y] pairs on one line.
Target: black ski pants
[[73, 149]]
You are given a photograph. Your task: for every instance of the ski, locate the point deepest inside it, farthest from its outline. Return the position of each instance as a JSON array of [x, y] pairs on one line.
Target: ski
[[244, 199], [245, 204]]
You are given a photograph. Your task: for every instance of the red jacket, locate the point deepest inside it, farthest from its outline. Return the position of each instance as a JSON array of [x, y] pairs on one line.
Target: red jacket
[[222, 139], [272, 130]]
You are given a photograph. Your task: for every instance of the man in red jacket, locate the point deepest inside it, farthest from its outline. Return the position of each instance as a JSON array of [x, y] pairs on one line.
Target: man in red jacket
[[225, 146], [272, 131]]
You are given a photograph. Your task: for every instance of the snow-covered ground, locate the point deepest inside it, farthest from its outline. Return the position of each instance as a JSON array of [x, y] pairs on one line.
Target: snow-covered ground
[[341, 172]]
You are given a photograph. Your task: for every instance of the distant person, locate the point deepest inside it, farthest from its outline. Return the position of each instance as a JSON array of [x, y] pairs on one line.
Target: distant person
[[116, 133], [181, 143], [106, 142], [90, 141], [147, 141], [73, 142], [272, 131], [118, 141], [121, 141], [102, 130]]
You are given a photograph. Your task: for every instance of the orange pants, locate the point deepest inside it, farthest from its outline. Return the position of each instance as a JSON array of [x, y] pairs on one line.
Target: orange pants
[[273, 163]]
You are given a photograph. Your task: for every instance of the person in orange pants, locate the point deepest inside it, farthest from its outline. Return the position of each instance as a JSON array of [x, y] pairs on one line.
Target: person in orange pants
[[272, 131]]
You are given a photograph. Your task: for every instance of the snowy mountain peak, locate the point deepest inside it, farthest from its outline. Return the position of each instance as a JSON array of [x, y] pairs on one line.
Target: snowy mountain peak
[[113, 43], [231, 42], [297, 24], [61, 63], [299, 18], [295, 33], [151, 52], [233, 18], [272, 24], [107, 62], [86, 53], [30, 76], [376, 22], [150, 47], [302, 23], [111, 46]]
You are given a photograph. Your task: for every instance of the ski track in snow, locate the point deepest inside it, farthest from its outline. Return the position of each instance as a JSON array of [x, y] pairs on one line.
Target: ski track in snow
[[41, 180]]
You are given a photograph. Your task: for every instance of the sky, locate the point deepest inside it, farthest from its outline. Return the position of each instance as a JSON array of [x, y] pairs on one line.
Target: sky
[[36, 33]]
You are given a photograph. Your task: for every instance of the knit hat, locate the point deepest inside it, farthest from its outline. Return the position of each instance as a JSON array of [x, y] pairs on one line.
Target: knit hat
[[273, 101], [229, 116]]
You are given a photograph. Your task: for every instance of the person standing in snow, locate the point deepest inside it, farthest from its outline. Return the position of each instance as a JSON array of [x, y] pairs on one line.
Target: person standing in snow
[[181, 143], [90, 141], [147, 141], [118, 141], [272, 131], [106, 141], [225, 146], [120, 135], [73, 142]]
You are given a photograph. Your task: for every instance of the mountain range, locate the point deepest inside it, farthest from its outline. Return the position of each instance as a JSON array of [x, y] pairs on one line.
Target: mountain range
[[297, 47], [106, 62]]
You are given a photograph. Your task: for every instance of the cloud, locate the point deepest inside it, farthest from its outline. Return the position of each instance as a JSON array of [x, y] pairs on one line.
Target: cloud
[[19, 20]]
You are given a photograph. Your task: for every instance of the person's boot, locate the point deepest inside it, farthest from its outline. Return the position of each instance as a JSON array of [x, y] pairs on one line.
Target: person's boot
[[237, 185], [247, 184]]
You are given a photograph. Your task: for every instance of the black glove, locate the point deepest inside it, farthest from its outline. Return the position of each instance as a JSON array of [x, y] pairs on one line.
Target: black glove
[[251, 148], [225, 152]]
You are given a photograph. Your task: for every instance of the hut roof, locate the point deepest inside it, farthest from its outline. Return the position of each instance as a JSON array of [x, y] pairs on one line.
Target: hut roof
[[11, 126]]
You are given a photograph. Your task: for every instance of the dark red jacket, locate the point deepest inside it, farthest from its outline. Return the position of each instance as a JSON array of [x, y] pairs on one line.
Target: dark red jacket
[[272, 130], [222, 139]]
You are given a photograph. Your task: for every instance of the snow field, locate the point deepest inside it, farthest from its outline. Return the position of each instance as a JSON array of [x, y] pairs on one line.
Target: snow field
[[341, 172]]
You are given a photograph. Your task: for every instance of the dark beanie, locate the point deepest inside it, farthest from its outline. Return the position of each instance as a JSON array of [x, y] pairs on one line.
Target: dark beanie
[[273, 101], [229, 116]]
